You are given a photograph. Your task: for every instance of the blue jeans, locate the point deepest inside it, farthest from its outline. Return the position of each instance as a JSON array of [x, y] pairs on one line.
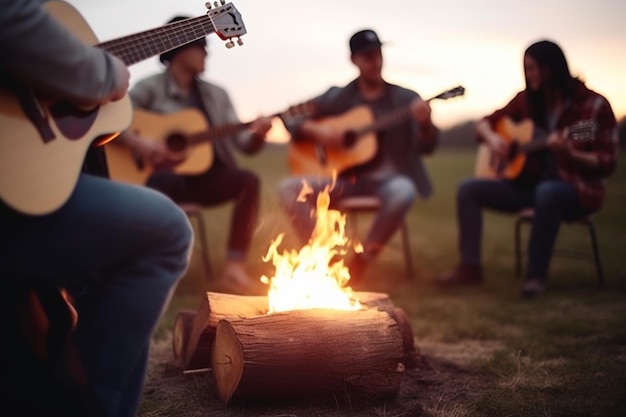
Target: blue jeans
[[123, 248], [554, 201], [397, 195], [219, 185]]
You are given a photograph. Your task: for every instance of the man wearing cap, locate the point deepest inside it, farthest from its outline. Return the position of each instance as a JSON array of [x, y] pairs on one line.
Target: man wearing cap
[[396, 174], [180, 87]]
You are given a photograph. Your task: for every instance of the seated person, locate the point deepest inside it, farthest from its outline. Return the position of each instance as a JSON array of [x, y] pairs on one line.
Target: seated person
[[563, 182], [396, 174], [180, 87]]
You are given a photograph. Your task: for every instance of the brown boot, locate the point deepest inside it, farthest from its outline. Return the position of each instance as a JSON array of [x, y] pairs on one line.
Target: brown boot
[[463, 274]]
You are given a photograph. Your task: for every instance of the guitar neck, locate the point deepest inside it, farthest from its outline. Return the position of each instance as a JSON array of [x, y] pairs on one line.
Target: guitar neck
[[580, 131], [143, 45], [402, 113], [217, 133], [227, 130]]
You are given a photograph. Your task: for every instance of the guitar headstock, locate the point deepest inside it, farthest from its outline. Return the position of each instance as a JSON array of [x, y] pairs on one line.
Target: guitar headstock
[[583, 130], [454, 92], [227, 22]]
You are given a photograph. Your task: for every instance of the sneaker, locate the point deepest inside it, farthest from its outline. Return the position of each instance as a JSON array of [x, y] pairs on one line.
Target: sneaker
[[463, 274], [533, 287]]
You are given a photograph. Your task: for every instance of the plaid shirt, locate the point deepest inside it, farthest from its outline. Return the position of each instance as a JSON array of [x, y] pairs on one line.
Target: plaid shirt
[[585, 104]]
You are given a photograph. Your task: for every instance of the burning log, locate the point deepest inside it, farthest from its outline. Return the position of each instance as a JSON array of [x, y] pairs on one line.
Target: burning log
[[305, 353], [213, 308], [193, 344]]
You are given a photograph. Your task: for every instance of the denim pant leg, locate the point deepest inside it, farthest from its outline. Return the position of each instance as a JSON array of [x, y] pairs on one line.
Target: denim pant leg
[[397, 196], [555, 201], [472, 196], [125, 247]]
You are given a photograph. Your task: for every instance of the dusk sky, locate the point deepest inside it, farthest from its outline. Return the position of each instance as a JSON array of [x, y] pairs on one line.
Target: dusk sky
[[295, 50]]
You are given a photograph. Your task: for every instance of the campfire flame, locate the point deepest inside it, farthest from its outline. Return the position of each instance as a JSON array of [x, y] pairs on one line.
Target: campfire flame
[[315, 276]]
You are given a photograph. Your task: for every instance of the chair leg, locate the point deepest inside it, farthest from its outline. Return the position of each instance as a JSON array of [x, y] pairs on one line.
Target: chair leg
[[204, 246], [596, 252], [406, 245], [518, 247]]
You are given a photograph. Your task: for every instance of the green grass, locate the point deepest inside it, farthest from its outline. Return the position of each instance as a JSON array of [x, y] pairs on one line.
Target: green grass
[[563, 354]]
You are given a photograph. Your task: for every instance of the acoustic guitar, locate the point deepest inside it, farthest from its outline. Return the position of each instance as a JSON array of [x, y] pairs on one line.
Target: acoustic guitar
[[187, 136], [360, 127], [44, 142], [525, 139]]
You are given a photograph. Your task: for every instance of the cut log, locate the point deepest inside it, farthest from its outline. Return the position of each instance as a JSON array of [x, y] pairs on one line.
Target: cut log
[[217, 306], [383, 302], [308, 353], [411, 353], [181, 335], [213, 308]]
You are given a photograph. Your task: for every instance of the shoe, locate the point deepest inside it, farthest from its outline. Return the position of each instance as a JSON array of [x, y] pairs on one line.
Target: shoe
[[463, 274], [533, 287], [236, 280]]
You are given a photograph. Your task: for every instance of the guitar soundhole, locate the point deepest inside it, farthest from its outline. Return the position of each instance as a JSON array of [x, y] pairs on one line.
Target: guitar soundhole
[[349, 138], [513, 150], [176, 142]]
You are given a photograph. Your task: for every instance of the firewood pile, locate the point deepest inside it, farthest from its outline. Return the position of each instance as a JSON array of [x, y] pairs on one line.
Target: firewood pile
[[255, 356]]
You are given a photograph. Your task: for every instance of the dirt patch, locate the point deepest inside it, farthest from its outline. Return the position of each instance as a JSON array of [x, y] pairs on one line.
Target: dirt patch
[[438, 383]]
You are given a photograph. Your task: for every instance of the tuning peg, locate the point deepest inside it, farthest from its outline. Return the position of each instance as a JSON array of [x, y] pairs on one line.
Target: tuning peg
[[208, 5], [229, 44], [239, 42]]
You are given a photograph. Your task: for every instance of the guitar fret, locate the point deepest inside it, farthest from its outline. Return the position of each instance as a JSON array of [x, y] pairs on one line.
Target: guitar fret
[[402, 113], [134, 48]]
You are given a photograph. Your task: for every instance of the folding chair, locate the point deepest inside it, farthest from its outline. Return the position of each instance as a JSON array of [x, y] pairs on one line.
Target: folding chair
[[354, 205], [194, 211], [527, 215]]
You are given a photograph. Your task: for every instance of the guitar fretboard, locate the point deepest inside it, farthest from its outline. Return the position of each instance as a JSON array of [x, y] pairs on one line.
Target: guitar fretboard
[[394, 117], [143, 45]]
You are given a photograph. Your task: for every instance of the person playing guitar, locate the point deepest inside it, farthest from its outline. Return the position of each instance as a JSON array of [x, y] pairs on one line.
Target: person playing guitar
[[562, 178], [215, 178], [395, 174], [118, 249]]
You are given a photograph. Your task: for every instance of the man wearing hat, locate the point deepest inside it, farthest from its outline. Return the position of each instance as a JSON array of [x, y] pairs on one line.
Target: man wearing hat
[[180, 87], [396, 174]]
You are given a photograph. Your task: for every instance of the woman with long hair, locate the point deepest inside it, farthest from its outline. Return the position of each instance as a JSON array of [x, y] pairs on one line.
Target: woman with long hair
[[575, 142]]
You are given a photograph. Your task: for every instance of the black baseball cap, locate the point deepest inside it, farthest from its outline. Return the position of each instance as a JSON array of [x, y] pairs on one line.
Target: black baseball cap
[[364, 40], [167, 56]]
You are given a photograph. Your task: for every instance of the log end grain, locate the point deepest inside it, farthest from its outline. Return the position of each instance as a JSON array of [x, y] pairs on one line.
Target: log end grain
[[181, 335]]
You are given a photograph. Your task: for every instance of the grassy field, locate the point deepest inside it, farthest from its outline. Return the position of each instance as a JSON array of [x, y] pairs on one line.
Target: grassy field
[[563, 354]]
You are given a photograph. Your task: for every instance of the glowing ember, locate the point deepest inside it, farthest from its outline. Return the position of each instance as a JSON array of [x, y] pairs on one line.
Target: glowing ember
[[314, 277]]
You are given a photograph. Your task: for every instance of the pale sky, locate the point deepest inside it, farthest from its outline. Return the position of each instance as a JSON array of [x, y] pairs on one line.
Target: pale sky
[[296, 49]]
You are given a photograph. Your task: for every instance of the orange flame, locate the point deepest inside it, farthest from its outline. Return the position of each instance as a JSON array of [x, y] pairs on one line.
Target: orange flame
[[315, 276]]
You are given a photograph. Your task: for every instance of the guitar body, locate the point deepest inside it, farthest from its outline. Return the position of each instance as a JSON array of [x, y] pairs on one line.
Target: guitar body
[[192, 159], [489, 165], [37, 176], [308, 158], [44, 143]]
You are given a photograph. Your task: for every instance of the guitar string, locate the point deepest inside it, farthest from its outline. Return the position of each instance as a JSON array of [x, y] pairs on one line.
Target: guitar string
[[398, 115], [134, 48]]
